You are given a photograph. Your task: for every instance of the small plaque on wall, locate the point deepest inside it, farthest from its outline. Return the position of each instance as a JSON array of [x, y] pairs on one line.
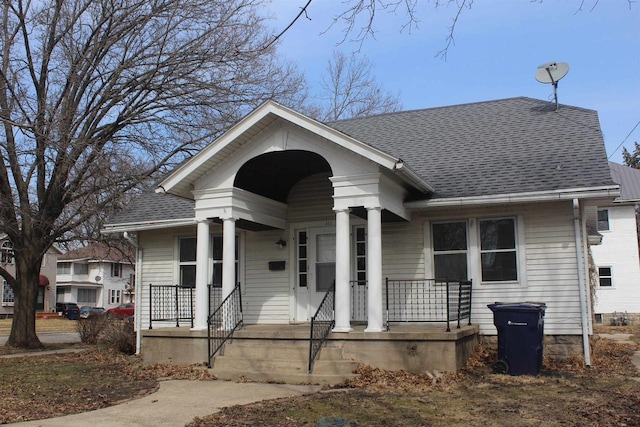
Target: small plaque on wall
[[276, 265]]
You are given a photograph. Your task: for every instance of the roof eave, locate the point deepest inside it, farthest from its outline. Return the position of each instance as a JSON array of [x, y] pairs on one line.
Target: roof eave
[[529, 197], [146, 225]]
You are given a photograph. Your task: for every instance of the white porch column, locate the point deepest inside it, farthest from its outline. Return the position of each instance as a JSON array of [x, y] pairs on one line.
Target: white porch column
[[343, 304], [374, 269], [228, 256], [202, 276]]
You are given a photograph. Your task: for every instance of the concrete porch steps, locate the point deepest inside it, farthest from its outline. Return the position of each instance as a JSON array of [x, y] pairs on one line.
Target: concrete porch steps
[[282, 360]]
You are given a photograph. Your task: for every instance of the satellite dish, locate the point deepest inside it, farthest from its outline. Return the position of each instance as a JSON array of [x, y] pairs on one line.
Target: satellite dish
[[551, 73], [98, 278]]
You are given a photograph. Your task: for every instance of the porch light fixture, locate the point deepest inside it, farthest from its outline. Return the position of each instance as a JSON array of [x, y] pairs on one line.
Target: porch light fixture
[[281, 243]]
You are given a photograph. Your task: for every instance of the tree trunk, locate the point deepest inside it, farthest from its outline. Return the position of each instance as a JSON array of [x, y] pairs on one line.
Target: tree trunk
[[23, 327]]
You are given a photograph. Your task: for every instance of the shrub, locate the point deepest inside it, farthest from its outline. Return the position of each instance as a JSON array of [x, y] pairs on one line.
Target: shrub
[[91, 327], [119, 335]]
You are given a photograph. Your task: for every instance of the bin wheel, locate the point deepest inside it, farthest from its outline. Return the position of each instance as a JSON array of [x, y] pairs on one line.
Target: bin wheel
[[501, 367]]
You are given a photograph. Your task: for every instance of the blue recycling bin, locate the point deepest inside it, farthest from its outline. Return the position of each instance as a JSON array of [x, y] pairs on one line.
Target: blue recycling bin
[[520, 337]]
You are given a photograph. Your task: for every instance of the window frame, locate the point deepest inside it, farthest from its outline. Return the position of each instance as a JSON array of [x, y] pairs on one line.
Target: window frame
[[75, 264], [598, 220], [7, 254], [513, 250], [610, 277], [7, 290], [466, 251], [63, 264], [474, 265], [239, 242], [116, 269], [87, 290]]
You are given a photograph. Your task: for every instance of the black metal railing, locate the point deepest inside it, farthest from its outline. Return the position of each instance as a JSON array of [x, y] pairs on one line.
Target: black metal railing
[[170, 303], [321, 324], [223, 322], [428, 300]]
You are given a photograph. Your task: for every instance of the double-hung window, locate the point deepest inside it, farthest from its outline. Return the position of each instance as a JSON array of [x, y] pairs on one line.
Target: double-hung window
[[187, 261], [603, 220], [7, 294], [498, 250], [605, 277], [450, 250]]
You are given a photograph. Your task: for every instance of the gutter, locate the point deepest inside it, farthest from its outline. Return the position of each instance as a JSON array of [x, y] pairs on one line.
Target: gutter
[[412, 177], [534, 196], [584, 299], [138, 287], [146, 225]]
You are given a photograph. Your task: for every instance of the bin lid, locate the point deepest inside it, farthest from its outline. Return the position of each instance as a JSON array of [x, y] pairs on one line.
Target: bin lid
[[518, 306]]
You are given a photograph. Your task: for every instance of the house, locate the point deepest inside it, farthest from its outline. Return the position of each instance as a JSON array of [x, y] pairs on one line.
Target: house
[[96, 276], [46, 302], [397, 211], [616, 257]]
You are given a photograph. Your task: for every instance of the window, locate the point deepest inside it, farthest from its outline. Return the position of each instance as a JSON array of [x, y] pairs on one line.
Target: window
[[605, 277], [603, 220], [187, 257], [64, 268], [6, 253], [302, 259], [7, 294], [114, 296], [87, 296], [498, 251], [450, 250], [81, 269], [116, 269], [361, 256]]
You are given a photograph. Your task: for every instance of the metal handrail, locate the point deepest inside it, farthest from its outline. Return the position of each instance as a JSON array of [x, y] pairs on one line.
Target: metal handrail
[[428, 300], [223, 322], [170, 303], [321, 324]]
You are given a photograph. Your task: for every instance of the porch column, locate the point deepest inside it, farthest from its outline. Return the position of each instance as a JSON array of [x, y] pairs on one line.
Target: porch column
[[342, 305], [228, 256], [374, 269], [202, 273]]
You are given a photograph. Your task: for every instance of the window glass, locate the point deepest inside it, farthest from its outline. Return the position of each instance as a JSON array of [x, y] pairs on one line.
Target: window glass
[[302, 259], [605, 277], [116, 269], [7, 253], [450, 250], [188, 249], [87, 296], [498, 250], [7, 293], [603, 220], [63, 268], [361, 256], [80, 268]]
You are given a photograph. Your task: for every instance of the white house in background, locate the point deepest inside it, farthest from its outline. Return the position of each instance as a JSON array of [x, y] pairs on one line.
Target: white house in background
[[281, 206], [616, 258], [96, 276], [46, 301]]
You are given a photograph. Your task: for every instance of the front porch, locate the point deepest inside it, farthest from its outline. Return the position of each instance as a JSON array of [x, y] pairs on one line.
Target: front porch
[[280, 352]]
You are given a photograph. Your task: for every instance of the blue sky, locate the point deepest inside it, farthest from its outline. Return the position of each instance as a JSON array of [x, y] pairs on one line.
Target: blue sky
[[498, 47]]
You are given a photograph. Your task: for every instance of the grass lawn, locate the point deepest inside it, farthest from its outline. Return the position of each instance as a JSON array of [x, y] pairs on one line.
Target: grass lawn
[[54, 323], [565, 393]]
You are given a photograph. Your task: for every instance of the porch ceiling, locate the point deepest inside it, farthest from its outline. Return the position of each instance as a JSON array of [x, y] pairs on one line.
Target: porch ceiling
[[273, 174]]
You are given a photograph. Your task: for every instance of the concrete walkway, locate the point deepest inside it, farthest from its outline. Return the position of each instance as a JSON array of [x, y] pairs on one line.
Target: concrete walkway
[[176, 403]]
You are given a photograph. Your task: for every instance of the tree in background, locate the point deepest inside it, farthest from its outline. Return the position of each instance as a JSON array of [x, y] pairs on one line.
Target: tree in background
[[632, 160], [98, 96], [349, 90]]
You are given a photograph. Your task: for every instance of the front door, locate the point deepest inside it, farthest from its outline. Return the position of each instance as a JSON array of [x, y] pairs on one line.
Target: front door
[[323, 265], [316, 269]]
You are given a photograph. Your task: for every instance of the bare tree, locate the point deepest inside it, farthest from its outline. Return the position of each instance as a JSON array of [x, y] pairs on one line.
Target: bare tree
[[350, 90], [98, 96]]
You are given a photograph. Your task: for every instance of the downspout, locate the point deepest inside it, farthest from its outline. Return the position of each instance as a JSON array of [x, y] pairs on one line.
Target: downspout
[[138, 287], [584, 307]]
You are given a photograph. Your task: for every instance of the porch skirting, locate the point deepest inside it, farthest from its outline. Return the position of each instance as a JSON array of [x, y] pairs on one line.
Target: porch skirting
[[413, 347]]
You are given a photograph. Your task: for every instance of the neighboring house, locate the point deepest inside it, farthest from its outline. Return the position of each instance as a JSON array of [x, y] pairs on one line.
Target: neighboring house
[[96, 276], [616, 258], [46, 301], [497, 192]]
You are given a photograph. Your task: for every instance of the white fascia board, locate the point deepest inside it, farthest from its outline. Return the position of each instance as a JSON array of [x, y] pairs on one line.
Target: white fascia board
[[150, 225], [537, 196]]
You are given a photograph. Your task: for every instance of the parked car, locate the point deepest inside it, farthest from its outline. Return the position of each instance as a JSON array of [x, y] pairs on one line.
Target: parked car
[[86, 311], [123, 310], [70, 310]]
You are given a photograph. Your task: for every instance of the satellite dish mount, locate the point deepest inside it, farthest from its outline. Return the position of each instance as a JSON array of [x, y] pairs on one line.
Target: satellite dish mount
[[552, 72]]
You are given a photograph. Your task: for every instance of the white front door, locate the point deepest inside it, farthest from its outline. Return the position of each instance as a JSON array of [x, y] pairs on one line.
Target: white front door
[[322, 265], [316, 269]]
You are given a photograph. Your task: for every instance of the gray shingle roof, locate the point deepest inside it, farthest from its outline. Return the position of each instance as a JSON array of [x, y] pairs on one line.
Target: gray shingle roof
[[507, 146], [151, 206], [629, 180]]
